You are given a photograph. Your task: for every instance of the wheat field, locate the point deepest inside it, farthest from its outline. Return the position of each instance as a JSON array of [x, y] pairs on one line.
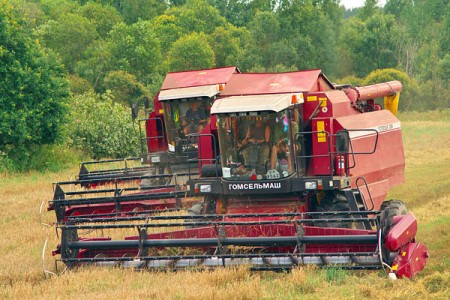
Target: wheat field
[[426, 193]]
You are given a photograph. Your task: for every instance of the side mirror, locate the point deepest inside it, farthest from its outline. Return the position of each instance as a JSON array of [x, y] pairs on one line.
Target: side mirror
[[342, 141], [134, 111], [146, 103]]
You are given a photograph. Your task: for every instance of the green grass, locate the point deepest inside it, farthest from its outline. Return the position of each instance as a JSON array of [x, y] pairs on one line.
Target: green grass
[[426, 193]]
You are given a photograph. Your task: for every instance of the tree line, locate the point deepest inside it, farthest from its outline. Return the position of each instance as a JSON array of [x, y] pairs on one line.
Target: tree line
[[55, 51]]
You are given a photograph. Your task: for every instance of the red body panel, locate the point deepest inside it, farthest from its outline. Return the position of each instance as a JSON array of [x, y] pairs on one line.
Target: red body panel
[[276, 83], [175, 80], [155, 129], [321, 146], [385, 167], [412, 259], [402, 232], [265, 206], [208, 147]]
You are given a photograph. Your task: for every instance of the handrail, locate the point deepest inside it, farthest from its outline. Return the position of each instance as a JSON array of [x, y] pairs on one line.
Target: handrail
[[149, 137], [199, 159], [362, 195]]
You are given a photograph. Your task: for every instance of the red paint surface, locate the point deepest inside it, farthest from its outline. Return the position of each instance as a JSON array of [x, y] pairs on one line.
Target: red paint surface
[[412, 259], [402, 232], [175, 80], [276, 83]]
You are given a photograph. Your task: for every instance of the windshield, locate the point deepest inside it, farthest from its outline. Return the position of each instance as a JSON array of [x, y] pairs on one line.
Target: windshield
[[184, 117], [256, 147]]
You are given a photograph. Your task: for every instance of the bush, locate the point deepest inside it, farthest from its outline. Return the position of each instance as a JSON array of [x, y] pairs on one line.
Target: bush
[[52, 158], [125, 87], [6, 164], [41, 158], [79, 85], [351, 79], [101, 127]]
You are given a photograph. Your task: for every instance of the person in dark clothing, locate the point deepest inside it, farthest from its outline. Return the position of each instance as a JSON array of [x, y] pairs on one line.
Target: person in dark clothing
[[280, 155], [194, 120]]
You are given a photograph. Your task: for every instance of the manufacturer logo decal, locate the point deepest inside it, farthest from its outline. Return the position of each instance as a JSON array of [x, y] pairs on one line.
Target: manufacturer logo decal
[[254, 186]]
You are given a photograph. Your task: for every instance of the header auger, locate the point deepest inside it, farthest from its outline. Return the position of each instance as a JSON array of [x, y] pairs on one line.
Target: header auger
[[292, 170]]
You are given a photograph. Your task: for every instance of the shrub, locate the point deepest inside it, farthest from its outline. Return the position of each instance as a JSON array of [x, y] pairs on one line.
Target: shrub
[[6, 164], [351, 79], [125, 87], [101, 127], [79, 85], [52, 158], [41, 158]]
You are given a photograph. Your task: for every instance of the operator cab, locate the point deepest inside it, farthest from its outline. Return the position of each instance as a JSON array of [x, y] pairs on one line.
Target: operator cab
[[256, 136], [186, 118], [186, 113]]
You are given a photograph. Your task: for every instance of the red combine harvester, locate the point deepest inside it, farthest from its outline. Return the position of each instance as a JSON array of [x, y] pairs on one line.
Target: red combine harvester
[[171, 151], [303, 172]]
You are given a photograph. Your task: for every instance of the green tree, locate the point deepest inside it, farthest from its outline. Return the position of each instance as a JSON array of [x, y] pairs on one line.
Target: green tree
[[368, 10], [125, 87], [134, 10], [191, 52], [102, 17], [264, 32], [98, 62], [197, 16], [32, 13], [54, 9], [305, 26], [69, 36], [79, 85], [239, 12], [167, 31], [369, 44], [226, 43], [33, 90], [135, 49]]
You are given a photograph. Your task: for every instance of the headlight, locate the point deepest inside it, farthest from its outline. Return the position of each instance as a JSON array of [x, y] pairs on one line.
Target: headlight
[[310, 185], [155, 159], [205, 188]]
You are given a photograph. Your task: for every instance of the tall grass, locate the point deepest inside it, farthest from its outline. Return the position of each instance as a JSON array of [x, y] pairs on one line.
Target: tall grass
[[426, 192], [53, 158]]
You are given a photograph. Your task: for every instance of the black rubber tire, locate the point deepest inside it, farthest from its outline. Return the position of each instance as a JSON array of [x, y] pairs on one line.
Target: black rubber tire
[[205, 208], [390, 209], [164, 170], [333, 202], [211, 170]]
